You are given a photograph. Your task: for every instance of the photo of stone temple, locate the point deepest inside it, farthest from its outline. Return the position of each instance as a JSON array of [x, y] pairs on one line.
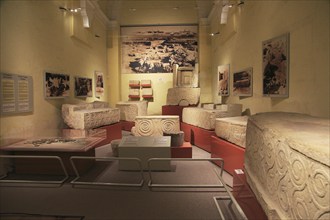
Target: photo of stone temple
[[164, 110]]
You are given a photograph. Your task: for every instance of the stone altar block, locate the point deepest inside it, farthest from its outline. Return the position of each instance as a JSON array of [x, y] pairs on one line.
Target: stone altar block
[[156, 125], [145, 148], [89, 115], [183, 96], [130, 109], [205, 118], [232, 129], [287, 164]]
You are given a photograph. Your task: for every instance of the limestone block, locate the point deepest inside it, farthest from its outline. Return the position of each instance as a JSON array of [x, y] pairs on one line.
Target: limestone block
[[183, 96], [145, 82], [232, 129], [89, 115], [208, 105], [134, 82], [130, 109], [155, 125], [185, 76], [287, 164], [147, 91], [205, 118], [177, 138], [134, 92]]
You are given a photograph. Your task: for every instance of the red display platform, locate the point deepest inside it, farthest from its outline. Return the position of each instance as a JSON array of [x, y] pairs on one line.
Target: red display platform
[[197, 136], [184, 151], [113, 132], [232, 154], [172, 110], [127, 125], [246, 198]]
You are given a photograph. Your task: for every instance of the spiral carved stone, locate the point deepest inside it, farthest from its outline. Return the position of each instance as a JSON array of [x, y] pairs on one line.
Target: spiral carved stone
[[288, 168], [155, 125]]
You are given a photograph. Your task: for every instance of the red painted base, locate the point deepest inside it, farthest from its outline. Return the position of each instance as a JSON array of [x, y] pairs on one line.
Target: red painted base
[[127, 125], [184, 151], [246, 198], [172, 110], [197, 136], [232, 154], [113, 132]]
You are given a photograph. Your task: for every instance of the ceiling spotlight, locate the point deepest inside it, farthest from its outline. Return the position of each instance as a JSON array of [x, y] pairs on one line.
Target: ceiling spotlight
[[132, 9], [240, 2], [175, 8], [72, 10], [216, 33]]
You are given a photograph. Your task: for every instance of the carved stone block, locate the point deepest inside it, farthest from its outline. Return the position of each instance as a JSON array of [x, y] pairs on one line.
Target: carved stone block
[[155, 125], [232, 129], [185, 76], [147, 91], [89, 115], [287, 164], [130, 109], [134, 92], [205, 118], [183, 96]]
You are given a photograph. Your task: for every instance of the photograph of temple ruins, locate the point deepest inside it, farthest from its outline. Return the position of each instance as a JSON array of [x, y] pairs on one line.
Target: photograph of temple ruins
[[154, 49]]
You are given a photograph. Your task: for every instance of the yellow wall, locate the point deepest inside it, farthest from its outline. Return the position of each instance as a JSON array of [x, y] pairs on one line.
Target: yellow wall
[[36, 36], [240, 46]]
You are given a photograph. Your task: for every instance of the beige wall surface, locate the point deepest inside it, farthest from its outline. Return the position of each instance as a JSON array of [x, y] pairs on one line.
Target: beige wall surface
[[239, 44], [36, 36]]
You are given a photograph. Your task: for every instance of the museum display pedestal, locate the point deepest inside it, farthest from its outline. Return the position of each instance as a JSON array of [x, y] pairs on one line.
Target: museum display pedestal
[[183, 151], [64, 150], [127, 125], [232, 154], [145, 148], [246, 198], [197, 136]]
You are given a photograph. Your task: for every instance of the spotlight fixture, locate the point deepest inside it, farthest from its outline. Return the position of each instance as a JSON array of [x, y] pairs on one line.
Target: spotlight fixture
[[72, 10], [216, 33], [240, 2]]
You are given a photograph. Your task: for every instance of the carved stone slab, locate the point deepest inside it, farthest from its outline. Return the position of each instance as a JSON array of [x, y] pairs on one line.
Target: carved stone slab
[[287, 164], [205, 118], [130, 109], [89, 115], [156, 125], [232, 129], [183, 96]]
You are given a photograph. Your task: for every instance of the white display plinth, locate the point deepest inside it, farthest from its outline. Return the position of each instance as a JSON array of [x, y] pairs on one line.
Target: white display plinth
[[145, 148]]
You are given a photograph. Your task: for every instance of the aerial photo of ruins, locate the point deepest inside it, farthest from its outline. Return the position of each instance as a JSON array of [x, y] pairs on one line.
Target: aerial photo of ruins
[[154, 49]]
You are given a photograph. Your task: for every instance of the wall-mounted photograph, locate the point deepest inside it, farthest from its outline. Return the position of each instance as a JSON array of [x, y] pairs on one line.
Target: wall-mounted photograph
[[99, 84], [223, 80], [57, 85], [243, 82], [275, 66], [83, 87], [155, 49]]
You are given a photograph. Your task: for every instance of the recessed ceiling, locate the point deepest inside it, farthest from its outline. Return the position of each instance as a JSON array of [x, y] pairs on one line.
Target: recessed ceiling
[[134, 12]]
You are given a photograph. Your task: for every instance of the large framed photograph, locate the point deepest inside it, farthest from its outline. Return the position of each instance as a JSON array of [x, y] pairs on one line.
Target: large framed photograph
[[56, 85], [223, 80], [99, 84], [83, 87], [155, 49], [243, 82], [275, 66]]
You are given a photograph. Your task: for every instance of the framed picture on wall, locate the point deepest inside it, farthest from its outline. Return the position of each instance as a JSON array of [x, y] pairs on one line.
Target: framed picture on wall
[[275, 66], [243, 82], [99, 84], [83, 87], [155, 49], [56, 85], [223, 80]]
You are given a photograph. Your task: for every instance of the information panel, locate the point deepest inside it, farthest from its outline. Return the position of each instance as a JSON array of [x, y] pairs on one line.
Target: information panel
[[16, 93]]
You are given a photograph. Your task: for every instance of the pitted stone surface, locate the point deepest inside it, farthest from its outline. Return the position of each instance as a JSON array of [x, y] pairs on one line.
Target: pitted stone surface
[[232, 129], [89, 115], [205, 118], [287, 164], [175, 96], [130, 109]]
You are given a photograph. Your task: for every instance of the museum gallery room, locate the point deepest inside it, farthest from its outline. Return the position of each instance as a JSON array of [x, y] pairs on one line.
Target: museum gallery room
[[164, 109]]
